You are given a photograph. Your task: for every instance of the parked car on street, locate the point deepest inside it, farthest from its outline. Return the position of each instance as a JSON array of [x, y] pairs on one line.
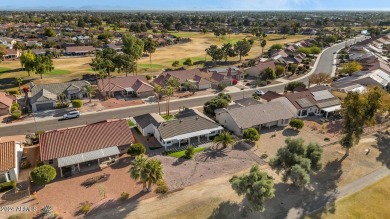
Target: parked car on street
[[259, 92], [72, 115]]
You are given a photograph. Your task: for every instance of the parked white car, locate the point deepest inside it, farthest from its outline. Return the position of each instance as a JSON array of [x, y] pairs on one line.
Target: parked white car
[[259, 92], [72, 115]]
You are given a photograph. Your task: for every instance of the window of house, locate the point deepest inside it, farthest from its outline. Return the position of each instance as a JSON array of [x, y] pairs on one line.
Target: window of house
[[51, 161], [85, 95], [285, 121], [73, 96]]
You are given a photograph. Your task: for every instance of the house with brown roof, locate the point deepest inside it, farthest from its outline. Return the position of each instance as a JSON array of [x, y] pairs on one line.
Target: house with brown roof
[[270, 95], [79, 50], [6, 102], [318, 101], [85, 147], [258, 69], [10, 157], [12, 54], [130, 86], [189, 127], [195, 76], [253, 116]]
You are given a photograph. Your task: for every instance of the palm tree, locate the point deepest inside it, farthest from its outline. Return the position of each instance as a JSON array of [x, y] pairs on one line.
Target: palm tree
[[225, 139], [153, 172], [147, 171], [263, 44], [18, 82], [90, 90], [158, 90], [137, 170], [168, 91]]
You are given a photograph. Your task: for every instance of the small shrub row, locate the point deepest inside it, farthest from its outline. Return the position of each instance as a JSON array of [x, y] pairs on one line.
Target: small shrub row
[[7, 186], [162, 188], [124, 196]]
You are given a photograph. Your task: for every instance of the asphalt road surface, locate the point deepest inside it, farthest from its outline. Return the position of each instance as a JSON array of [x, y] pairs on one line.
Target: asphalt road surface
[[325, 64]]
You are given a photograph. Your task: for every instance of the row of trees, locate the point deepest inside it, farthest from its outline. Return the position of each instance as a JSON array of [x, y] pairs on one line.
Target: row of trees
[[241, 48], [37, 63]]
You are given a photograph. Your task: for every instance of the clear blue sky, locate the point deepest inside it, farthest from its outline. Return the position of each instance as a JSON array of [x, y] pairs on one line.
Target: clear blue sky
[[260, 5]]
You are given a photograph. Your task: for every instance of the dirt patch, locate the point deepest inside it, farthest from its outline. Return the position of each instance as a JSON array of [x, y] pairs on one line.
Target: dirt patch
[[115, 103]]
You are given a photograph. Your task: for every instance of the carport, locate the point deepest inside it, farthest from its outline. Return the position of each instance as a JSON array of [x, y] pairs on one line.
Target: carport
[[88, 160]]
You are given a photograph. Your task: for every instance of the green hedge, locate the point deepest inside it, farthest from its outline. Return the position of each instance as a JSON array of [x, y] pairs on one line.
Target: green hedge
[[77, 103], [16, 114], [13, 91], [7, 186]]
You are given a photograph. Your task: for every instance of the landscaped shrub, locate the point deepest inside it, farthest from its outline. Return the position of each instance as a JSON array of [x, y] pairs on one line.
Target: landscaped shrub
[[77, 103], [124, 196], [136, 149], [251, 134], [14, 107], [148, 77], [7, 186], [85, 207], [13, 91], [296, 123], [162, 188], [100, 178], [20, 216], [43, 174], [188, 62], [16, 114], [24, 164], [222, 86], [47, 211], [326, 139], [190, 152]]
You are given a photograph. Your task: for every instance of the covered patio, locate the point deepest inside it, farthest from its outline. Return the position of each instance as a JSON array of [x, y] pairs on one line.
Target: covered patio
[[330, 110], [88, 160], [194, 138]]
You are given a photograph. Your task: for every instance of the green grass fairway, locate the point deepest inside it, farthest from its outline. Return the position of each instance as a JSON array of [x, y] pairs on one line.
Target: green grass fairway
[[181, 153], [4, 69], [151, 66], [59, 72], [371, 202]]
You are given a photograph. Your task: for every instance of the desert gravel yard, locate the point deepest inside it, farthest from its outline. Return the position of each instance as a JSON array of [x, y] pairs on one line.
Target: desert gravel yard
[[209, 164]]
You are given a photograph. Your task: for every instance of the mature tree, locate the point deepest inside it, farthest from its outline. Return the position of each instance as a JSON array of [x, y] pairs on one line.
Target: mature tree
[[263, 44], [319, 78], [293, 68], [136, 149], [190, 86], [19, 46], [268, 74], [279, 70], [153, 172], [220, 101], [42, 175], [97, 65], [132, 46], [242, 48], [294, 85], [251, 134], [276, 47], [158, 90], [351, 67], [150, 47], [3, 52], [188, 62], [256, 187], [175, 64], [49, 32], [296, 123], [225, 139], [190, 152], [215, 53], [228, 51], [376, 102], [18, 82], [354, 117], [91, 91], [126, 63], [43, 65], [295, 161], [168, 91]]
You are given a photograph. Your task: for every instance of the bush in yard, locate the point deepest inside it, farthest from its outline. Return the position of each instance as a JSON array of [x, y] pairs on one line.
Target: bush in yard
[[24, 164], [136, 149], [16, 114], [15, 106], [175, 64], [7, 186], [148, 77], [222, 86], [47, 211], [77, 103], [190, 152], [124, 196], [43, 174], [162, 188], [13, 91], [19, 216], [188, 62], [296, 123], [251, 134], [85, 207]]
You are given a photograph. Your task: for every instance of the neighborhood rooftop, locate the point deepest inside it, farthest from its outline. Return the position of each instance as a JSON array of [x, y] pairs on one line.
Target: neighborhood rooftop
[[7, 155]]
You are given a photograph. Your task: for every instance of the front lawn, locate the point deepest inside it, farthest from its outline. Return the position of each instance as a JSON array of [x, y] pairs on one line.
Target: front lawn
[[180, 154]]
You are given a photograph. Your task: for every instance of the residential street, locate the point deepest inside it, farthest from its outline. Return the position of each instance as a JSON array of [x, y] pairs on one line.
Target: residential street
[[325, 64]]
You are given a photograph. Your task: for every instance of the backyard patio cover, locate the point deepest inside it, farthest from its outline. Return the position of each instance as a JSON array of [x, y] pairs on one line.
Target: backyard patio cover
[[332, 108], [87, 156]]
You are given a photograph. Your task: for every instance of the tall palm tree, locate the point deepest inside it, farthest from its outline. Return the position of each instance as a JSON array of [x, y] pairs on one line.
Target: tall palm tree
[[263, 44], [153, 172], [225, 139], [158, 90], [90, 90], [137, 169], [168, 91]]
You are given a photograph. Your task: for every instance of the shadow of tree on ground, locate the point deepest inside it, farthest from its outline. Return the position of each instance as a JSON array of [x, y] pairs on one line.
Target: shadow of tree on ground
[[383, 145]]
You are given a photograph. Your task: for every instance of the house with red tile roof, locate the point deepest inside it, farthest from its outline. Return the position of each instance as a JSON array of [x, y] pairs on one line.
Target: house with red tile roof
[[85, 147], [196, 76], [130, 86], [6, 103], [10, 157]]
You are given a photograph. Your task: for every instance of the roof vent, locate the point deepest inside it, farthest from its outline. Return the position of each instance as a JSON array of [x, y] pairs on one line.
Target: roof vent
[[181, 121], [197, 117]]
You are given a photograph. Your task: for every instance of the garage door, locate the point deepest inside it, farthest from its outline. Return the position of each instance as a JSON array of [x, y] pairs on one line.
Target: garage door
[[44, 106]]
